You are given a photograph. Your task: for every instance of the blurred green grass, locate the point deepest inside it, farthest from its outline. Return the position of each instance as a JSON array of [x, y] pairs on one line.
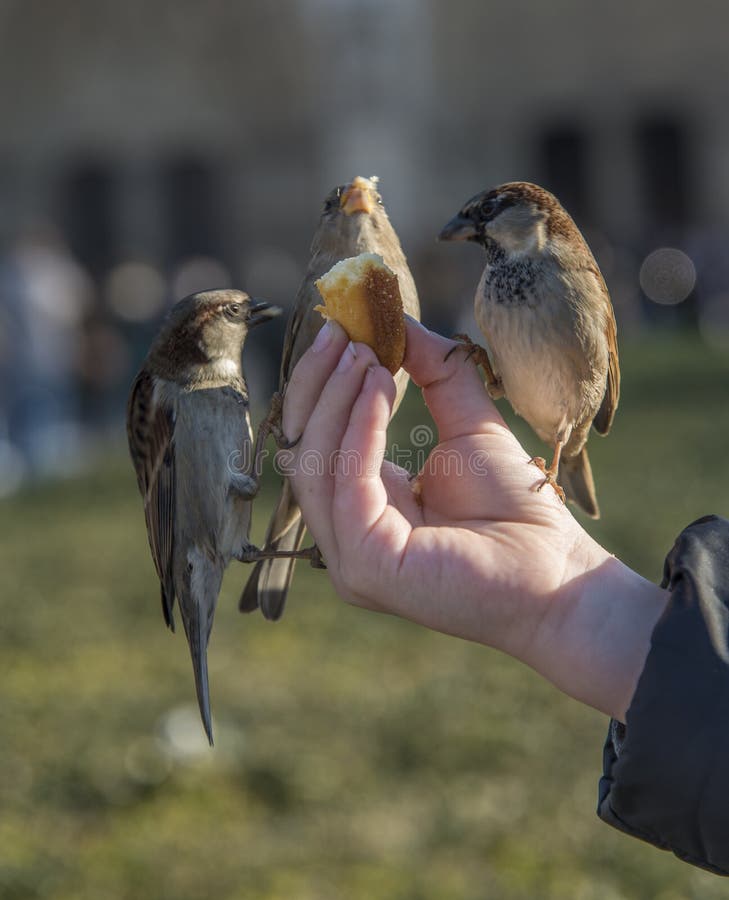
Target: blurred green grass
[[357, 756]]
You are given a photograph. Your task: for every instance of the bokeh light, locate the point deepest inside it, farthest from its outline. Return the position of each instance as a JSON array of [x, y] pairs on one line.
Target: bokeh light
[[182, 735], [199, 273], [667, 276], [135, 291]]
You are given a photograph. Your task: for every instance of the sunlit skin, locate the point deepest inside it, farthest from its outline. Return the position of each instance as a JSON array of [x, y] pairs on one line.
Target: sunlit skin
[[473, 553]]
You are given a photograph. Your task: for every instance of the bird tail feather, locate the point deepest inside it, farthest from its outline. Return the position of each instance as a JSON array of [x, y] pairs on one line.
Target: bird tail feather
[[577, 481]]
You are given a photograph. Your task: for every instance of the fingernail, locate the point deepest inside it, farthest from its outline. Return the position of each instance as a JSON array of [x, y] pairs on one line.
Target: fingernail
[[347, 358], [324, 338], [369, 376]]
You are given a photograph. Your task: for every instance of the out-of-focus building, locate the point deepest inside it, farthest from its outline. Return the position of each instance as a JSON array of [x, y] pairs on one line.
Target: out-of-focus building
[[175, 129], [181, 145]]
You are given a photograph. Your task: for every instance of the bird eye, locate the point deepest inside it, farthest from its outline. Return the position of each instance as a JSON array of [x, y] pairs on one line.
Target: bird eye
[[492, 207], [233, 310], [332, 201]]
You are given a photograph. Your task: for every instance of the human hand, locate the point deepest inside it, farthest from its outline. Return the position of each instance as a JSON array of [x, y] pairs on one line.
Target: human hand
[[474, 551]]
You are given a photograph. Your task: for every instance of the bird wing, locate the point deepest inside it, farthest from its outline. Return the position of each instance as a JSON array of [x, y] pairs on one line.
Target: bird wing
[[269, 583], [302, 327], [150, 431], [604, 418]]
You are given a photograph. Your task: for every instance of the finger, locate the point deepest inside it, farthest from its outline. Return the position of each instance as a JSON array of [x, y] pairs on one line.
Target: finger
[[361, 513], [313, 474], [453, 388], [310, 375]]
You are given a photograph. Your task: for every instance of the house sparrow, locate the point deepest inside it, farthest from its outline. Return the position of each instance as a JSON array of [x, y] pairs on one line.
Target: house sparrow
[[353, 221], [545, 312], [187, 423]]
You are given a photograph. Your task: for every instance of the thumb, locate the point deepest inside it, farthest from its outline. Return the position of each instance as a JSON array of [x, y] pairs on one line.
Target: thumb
[[453, 388]]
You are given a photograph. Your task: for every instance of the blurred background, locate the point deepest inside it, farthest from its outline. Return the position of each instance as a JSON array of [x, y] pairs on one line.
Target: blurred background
[[150, 150]]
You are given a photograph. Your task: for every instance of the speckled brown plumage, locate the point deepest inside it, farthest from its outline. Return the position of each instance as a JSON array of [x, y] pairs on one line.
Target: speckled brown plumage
[[544, 309]]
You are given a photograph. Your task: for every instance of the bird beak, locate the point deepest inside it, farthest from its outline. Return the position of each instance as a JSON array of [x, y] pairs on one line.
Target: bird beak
[[198, 639], [460, 228], [357, 197], [261, 311]]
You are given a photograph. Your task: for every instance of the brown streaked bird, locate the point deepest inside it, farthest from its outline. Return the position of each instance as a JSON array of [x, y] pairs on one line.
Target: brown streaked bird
[[353, 221], [188, 425], [544, 309]]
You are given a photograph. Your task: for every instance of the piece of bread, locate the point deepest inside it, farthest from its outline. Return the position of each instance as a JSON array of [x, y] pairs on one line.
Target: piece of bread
[[363, 295]]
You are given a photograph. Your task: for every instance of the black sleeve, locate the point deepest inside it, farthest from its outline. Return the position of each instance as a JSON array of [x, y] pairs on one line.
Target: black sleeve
[[666, 771]]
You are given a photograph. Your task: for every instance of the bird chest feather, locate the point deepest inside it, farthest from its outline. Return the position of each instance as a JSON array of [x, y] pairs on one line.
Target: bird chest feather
[[538, 373]]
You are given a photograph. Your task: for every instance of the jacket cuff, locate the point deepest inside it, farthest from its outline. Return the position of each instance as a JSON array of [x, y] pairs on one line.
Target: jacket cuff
[[666, 771]]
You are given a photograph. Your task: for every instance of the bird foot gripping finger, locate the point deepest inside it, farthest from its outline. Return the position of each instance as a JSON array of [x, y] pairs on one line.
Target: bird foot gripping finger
[[550, 477], [464, 342], [248, 553], [313, 554], [272, 425], [480, 357], [284, 444], [252, 554], [416, 486], [495, 388], [275, 427], [316, 560]]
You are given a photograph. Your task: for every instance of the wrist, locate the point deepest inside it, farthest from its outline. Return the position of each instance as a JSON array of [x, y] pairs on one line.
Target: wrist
[[596, 637]]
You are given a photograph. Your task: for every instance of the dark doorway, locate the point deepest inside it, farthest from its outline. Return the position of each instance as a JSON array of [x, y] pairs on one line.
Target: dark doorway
[[87, 213], [663, 171], [563, 163], [189, 199]]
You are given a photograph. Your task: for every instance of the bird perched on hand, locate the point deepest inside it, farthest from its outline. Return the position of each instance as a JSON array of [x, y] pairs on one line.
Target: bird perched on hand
[[188, 426], [353, 221], [546, 314]]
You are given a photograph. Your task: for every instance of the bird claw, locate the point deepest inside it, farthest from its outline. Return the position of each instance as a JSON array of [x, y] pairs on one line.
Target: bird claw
[[316, 560], [283, 444], [480, 357], [550, 477], [271, 425], [416, 486], [464, 342], [274, 426], [247, 554]]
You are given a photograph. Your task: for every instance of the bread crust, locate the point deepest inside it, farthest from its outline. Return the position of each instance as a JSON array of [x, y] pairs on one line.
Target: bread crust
[[363, 295]]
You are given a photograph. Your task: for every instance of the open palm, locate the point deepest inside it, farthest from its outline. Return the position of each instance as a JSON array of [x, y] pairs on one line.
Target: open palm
[[465, 546], [469, 547]]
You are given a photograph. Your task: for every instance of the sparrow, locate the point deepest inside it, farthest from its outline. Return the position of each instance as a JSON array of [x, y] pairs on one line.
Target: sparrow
[[545, 311], [353, 221], [188, 426]]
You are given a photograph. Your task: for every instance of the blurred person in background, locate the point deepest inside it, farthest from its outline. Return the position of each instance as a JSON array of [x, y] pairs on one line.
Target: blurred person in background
[[45, 295]]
